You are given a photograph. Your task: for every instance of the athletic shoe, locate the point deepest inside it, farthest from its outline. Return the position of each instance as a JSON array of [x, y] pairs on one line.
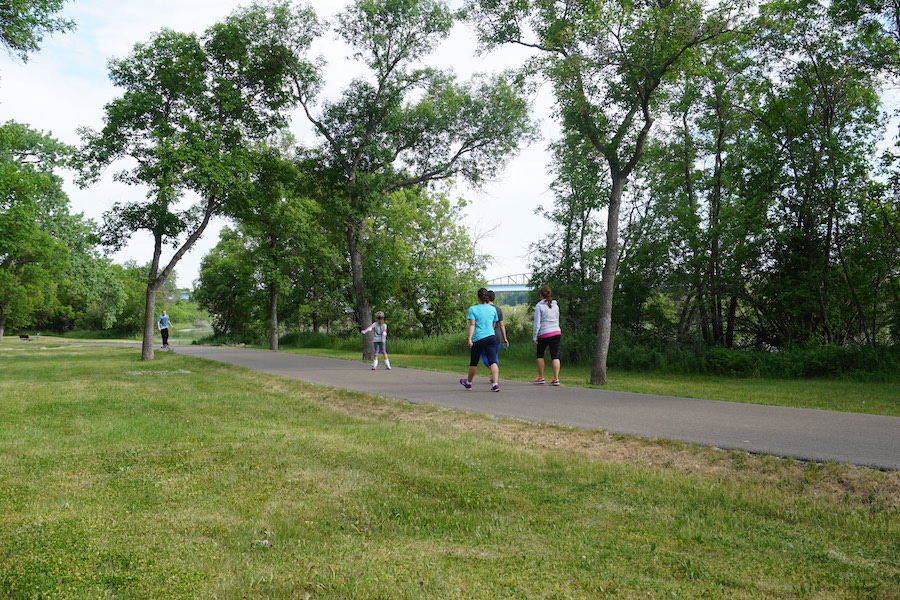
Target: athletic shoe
[[465, 383], [539, 381], [495, 387], [554, 382], [388, 367], [373, 368]]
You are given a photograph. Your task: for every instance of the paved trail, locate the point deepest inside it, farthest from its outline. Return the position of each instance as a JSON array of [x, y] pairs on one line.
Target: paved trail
[[797, 432]]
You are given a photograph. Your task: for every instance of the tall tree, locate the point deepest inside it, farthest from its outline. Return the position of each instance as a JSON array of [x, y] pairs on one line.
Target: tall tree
[[191, 108], [403, 125], [32, 261], [611, 64], [282, 227], [23, 24]]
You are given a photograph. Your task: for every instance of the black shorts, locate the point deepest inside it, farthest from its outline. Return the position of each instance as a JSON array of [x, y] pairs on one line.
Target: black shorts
[[488, 345], [551, 342]]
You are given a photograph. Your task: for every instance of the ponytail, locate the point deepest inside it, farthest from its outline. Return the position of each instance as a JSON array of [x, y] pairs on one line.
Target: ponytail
[[546, 294], [483, 295]]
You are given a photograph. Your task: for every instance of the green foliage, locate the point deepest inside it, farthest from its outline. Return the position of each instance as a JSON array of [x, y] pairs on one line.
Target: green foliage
[[32, 260], [403, 126], [23, 24], [420, 262], [192, 110], [228, 287]]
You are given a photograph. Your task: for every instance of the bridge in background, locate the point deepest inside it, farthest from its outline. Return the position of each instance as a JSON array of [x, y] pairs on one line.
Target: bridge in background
[[510, 283]]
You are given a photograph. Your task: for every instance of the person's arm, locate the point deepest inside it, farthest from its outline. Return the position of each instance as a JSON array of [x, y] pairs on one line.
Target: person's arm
[[471, 331], [501, 324], [368, 329], [537, 323], [385, 332]]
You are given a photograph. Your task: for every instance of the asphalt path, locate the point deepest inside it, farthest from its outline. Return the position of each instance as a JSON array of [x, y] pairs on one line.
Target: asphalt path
[[806, 434]]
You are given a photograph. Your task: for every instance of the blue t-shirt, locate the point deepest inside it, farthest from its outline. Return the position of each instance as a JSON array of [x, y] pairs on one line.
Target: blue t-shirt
[[484, 316], [164, 321]]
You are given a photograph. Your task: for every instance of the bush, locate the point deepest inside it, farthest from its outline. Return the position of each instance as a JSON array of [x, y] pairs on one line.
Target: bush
[[828, 361]]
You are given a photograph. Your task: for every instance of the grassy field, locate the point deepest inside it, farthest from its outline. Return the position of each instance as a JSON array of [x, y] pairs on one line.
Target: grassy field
[[182, 478]]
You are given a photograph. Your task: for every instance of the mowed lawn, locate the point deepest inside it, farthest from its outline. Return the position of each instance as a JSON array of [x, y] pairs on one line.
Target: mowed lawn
[[182, 478]]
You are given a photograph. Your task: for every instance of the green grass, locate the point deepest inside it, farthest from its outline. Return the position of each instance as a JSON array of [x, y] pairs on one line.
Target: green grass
[[183, 478], [869, 397]]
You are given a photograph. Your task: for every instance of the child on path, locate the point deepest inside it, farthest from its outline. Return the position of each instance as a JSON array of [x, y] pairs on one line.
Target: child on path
[[546, 333], [379, 327], [482, 317], [163, 325]]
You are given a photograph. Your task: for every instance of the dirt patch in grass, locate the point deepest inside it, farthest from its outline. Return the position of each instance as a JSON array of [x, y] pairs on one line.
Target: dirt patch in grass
[[862, 487]]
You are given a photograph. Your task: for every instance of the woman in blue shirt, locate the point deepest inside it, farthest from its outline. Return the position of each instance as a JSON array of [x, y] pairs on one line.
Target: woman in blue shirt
[[481, 339]]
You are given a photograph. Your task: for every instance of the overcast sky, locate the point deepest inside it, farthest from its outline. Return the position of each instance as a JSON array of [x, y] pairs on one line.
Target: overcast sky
[[65, 85]]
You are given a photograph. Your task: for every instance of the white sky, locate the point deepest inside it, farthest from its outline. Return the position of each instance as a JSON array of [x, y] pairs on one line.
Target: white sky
[[65, 85]]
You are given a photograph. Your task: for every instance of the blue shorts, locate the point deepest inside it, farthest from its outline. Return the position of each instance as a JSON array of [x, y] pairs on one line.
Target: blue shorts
[[380, 347]]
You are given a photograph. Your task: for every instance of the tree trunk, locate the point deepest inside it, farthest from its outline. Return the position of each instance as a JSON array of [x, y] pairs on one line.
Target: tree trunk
[[273, 317], [149, 320], [363, 307], [2, 327], [732, 316], [153, 283], [608, 282]]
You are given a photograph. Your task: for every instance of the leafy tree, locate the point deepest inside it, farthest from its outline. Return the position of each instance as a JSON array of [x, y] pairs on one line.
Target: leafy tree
[[131, 278], [420, 261], [697, 234], [283, 229], [821, 119], [570, 259], [191, 108], [90, 294], [611, 65], [402, 125], [32, 261], [23, 24], [229, 286]]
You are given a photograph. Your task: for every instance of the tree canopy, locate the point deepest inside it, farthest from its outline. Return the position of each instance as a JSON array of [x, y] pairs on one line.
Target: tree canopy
[[23, 24]]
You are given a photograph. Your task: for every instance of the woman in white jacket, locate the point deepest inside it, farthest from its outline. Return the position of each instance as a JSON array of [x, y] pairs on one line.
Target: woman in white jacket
[[546, 334]]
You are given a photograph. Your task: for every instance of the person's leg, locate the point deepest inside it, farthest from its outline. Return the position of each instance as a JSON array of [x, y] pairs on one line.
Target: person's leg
[[541, 348], [165, 336], [554, 355], [387, 361], [491, 352], [375, 351], [474, 357]]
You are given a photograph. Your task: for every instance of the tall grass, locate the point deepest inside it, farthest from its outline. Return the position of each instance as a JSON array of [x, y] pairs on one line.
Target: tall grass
[[182, 478]]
